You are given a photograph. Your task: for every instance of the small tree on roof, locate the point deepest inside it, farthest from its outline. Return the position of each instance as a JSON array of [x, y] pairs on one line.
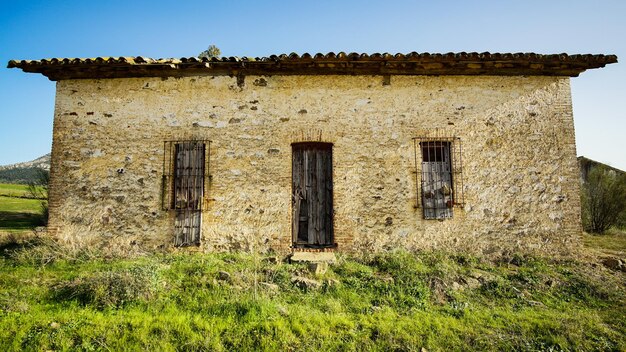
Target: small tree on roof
[[211, 51]]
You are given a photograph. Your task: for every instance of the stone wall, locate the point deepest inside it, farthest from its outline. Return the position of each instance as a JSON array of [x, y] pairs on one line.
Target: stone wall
[[519, 160]]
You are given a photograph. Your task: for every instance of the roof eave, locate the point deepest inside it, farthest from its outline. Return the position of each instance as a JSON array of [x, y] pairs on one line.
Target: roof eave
[[329, 64]]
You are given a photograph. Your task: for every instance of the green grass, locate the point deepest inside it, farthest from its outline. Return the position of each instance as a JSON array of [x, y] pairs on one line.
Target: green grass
[[55, 299], [14, 190], [19, 205], [611, 242], [18, 211]]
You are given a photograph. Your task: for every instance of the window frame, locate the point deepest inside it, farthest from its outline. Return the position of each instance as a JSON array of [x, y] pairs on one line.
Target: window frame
[[454, 153]]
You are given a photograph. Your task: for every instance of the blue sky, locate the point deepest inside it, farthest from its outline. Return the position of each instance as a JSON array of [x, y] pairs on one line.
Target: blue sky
[[44, 29]]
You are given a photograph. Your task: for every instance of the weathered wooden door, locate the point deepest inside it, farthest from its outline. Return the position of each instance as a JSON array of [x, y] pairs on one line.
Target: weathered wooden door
[[312, 194], [188, 192]]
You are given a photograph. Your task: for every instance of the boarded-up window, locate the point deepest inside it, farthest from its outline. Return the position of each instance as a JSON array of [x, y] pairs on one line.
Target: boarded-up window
[[438, 175], [184, 181], [312, 195]]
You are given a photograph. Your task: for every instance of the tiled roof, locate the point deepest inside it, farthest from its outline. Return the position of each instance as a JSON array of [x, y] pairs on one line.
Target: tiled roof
[[331, 63]]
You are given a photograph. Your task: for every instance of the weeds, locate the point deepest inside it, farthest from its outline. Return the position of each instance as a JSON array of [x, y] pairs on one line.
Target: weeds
[[38, 249], [110, 289], [391, 301]]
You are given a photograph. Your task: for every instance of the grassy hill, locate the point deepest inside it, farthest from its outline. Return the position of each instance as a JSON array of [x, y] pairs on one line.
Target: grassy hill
[[63, 298]]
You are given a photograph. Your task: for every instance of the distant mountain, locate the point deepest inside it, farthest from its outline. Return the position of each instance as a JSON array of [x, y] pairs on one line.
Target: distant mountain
[[43, 162], [25, 172]]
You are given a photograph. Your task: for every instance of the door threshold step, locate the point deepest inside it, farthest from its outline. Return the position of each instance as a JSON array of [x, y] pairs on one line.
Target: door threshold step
[[313, 257]]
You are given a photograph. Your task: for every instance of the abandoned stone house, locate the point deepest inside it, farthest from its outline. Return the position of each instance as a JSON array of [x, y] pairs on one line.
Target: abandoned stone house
[[346, 152]]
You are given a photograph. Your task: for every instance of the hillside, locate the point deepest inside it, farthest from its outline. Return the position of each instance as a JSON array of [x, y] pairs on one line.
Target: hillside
[[25, 172], [43, 162], [586, 164]]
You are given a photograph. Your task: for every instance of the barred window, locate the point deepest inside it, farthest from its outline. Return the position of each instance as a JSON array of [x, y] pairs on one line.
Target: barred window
[[438, 177], [185, 178]]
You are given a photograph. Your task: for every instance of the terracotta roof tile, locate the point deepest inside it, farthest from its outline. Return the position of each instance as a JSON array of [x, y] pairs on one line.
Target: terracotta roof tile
[[413, 63]]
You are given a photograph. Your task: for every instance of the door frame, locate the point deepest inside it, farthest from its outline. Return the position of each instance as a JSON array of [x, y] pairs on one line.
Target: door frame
[[296, 243]]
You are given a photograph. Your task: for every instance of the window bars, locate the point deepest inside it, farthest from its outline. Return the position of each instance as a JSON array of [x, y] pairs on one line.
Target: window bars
[[185, 178], [438, 176]]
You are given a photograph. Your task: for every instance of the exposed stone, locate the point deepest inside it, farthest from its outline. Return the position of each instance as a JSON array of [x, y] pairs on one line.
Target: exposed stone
[[471, 282], [481, 276], [514, 189], [333, 282], [221, 124], [261, 82], [271, 260], [328, 257], [318, 268], [613, 264], [305, 283], [283, 311], [388, 279], [539, 187], [269, 286], [203, 124], [457, 286], [223, 275]]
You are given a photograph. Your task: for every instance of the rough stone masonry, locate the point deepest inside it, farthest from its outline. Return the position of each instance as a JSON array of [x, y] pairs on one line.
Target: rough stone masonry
[[518, 159]]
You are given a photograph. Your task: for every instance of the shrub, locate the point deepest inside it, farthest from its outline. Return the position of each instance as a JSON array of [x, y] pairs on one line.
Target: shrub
[[110, 289], [603, 199]]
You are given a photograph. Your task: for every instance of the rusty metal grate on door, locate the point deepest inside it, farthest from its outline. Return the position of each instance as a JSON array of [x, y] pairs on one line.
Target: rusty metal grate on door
[[185, 179], [438, 175]]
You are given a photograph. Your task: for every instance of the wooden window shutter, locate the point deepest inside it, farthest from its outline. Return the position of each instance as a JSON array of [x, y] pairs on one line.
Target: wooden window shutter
[[185, 185]]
